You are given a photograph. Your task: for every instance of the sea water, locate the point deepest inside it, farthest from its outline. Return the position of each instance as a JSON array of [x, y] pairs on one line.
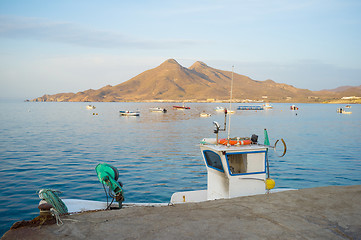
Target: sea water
[[58, 145]]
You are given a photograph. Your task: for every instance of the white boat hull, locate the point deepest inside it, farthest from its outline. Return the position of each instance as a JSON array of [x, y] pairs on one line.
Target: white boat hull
[[201, 195], [189, 196], [80, 205]]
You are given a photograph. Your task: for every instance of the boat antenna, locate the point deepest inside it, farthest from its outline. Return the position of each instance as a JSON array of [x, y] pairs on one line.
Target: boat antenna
[[230, 107]]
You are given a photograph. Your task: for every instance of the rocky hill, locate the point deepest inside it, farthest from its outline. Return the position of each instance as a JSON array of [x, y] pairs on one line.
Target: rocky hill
[[173, 82]]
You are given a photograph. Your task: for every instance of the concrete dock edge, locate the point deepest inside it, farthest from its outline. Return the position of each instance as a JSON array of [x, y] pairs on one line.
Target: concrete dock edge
[[332, 212]]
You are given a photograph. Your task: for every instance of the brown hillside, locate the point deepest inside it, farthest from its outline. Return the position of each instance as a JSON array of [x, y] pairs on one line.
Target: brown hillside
[[171, 81], [168, 81]]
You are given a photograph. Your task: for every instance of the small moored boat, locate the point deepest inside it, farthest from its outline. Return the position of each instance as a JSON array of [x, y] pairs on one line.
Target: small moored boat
[[90, 107], [250, 108], [340, 110], [203, 114], [222, 109], [230, 111], [180, 107], [267, 106], [157, 109], [293, 107], [129, 113]]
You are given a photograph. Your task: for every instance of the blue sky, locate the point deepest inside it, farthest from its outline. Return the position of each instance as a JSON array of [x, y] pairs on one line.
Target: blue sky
[[48, 47]]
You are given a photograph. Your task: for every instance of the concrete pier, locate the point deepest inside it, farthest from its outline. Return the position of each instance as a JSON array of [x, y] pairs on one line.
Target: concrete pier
[[317, 213]]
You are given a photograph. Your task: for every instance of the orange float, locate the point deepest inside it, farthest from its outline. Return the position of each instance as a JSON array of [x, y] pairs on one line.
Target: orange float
[[234, 141]]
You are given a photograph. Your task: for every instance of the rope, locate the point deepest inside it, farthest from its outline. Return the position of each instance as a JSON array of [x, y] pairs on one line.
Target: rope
[[57, 217], [52, 197], [108, 193], [284, 147]]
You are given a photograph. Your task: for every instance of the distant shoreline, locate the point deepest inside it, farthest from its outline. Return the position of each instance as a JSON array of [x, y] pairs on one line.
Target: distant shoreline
[[338, 101], [356, 101]]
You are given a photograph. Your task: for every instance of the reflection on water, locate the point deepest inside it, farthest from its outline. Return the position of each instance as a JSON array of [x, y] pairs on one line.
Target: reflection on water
[[58, 145]]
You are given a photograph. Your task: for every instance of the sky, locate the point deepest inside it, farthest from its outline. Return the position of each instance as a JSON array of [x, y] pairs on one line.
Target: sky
[[49, 47]]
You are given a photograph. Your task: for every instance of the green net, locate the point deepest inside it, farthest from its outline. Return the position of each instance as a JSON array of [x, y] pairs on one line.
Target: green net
[[52, 197]]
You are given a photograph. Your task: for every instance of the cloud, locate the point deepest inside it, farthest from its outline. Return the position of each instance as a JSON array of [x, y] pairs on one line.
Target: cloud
[[74, 34]]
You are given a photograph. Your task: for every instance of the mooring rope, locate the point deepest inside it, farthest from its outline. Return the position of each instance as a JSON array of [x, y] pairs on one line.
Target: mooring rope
[[57, 217]]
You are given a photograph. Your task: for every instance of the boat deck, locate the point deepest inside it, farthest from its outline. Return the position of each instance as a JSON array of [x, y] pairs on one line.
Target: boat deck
[[220, 147]]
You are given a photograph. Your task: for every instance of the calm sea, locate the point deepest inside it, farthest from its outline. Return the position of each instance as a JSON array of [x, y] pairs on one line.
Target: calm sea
[[58, 145]]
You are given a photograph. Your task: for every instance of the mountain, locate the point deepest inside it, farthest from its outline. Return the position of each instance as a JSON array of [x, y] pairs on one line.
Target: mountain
[[347, 90], [171, 81]]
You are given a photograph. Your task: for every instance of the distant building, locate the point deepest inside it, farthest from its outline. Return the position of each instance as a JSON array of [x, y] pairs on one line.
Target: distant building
[[350, 98]]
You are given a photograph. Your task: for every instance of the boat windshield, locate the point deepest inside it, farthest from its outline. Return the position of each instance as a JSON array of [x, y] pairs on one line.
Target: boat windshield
[[246, 162], [213, 160]]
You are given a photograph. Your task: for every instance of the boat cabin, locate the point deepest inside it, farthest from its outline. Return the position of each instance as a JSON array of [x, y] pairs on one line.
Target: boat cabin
[[235, 170], [232, 171]]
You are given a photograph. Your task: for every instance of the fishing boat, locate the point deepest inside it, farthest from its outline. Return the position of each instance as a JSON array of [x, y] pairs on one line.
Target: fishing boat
[[157, 109], [90, 107], [235, 167], [219, 109], [256, 107], [347, 106], [293, 107], [129, 113]]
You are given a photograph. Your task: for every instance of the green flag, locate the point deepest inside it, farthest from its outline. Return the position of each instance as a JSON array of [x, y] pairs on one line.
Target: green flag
[[266, 140]]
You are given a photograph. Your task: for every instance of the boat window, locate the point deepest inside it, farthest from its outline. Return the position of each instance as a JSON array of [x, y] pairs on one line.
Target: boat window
[[246, 163], [213, 160]]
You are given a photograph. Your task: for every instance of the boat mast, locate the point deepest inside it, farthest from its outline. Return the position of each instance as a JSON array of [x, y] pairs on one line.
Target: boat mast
[[230, 107]]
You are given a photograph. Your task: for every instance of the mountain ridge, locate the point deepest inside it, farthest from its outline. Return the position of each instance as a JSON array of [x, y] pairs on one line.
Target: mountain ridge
[[199, 82]]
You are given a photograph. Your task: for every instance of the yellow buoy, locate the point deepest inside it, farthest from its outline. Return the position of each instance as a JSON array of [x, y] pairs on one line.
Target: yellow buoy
[[270, 183]]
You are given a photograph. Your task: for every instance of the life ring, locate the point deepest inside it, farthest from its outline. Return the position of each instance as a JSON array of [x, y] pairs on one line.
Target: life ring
[[234, 141]]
